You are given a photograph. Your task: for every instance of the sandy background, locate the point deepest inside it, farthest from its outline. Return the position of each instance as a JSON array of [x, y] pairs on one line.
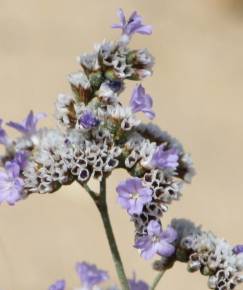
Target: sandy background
[[198, 95]]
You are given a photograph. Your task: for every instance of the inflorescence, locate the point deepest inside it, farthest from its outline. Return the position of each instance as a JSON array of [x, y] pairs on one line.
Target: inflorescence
[[97, 134], [91, 277]]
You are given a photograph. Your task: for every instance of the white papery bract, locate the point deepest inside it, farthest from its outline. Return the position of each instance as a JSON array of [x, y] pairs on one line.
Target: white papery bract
[[214, 257]]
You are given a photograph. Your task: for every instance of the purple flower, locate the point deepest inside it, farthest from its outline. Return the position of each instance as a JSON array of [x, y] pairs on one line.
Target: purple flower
[[238, 249], [133, 25], [3, 135], [28, 126], [156, 241], [165, 159], [21, 159], [137, 285], [88, 120], [59, 285], [133, 195], [141, 102], [11, 184], [90, 275]]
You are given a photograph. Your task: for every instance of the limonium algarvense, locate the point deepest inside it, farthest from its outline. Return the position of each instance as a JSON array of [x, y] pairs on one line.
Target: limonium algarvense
[[97, 134]]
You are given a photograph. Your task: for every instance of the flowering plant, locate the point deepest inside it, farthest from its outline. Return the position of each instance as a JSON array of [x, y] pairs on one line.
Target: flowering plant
[[96, 135]]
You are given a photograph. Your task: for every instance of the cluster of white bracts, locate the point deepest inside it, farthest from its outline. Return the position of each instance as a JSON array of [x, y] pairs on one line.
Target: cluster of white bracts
[[214, 257]]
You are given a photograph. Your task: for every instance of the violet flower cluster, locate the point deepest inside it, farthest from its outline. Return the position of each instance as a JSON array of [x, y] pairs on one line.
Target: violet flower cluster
[[91, 278], [97, 134]]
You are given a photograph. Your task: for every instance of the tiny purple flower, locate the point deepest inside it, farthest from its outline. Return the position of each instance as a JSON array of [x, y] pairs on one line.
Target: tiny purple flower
[[88, 120], [58, 285], [156, 241], [11, 184], [165, 159], [137, 285], [238, 249], [90, 275], [21, 159], [3, 135], [133, 25], [142, 102], [28, 125], [133, 195]]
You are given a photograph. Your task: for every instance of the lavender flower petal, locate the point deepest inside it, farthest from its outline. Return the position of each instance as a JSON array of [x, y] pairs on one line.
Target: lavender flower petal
[[154, 228], [90, 275], [133, 195], [21, 158], [11, 184], [156, 241], [88, 120], [137, 284], [133, 25], [29, 124], [3, 135], [165, 159], [141, 102], [58, 285], [238, 249]]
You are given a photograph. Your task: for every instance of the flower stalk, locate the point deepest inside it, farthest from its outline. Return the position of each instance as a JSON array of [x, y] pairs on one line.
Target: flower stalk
[[157, 280], [100, 201]]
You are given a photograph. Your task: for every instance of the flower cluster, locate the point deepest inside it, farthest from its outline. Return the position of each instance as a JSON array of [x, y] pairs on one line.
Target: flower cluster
[[214, 257], [96, 134], [91, 277]]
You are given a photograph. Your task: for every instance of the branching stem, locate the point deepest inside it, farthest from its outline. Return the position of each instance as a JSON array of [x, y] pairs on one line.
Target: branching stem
[[100, 201]]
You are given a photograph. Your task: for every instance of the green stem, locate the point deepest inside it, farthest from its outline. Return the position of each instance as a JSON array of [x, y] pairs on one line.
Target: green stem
[[157, 279], [91, 192], [100, 201]]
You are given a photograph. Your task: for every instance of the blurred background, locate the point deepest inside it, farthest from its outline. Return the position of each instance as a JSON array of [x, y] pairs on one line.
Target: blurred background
[[198, 97]]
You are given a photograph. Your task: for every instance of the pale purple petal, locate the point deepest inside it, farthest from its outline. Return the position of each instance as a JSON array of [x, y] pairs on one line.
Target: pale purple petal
[[124, 202], [165, 249], [137, 284], [238, 249], [133, 184], [146, 30], [13, 168], [132, 25], [154, 228], [149, 114], [169, 235], [133, 195], [121, 16], [156, 241], [116, 26], [88, 120], [3, 135], [142, 242], [142, 102], [90, 275], [21, 158], [165, 159], [123, 188], [135, 206], [145, 193], [29, 120], [28, 125], [11, 185], [39, 116], [149, 252], [58, 285], [17, 127]]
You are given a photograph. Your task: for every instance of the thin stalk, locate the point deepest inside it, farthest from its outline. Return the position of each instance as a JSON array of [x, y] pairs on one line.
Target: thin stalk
[[100, 201], [157, 280]]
